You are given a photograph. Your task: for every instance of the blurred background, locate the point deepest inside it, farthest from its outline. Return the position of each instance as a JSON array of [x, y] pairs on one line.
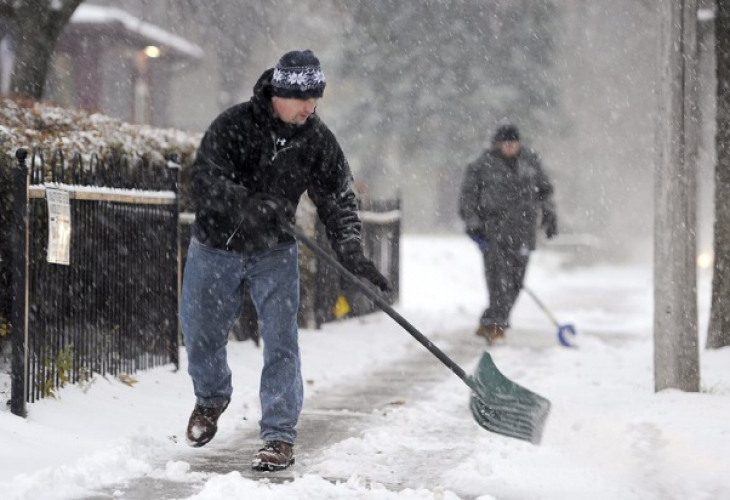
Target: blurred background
[[415, 91]]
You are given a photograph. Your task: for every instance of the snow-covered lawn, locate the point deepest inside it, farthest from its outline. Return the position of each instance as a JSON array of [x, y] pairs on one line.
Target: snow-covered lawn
[[609, 436]]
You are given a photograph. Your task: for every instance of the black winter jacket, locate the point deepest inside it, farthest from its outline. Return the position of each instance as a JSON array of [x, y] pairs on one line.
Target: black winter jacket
[[501, 199], [246, 151]]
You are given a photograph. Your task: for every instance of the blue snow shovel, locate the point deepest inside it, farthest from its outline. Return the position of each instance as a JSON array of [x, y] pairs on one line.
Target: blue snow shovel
[[497, 404], [563, 330]]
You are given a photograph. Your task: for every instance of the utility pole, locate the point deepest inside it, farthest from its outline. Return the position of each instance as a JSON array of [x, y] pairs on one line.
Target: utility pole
[[676, 352], [718, 331]]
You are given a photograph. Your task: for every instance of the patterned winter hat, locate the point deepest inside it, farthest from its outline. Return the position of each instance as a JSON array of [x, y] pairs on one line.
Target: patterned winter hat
[[298, 75], [507, 133]]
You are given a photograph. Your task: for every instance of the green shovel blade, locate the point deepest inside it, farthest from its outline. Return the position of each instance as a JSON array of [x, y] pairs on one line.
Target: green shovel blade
[[502, 406]]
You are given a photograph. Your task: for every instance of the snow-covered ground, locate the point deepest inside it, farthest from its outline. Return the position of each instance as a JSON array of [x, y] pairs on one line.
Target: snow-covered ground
[[609, 436]]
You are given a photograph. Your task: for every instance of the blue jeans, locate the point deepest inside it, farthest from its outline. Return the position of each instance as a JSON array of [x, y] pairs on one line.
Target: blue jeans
[[211, 303]]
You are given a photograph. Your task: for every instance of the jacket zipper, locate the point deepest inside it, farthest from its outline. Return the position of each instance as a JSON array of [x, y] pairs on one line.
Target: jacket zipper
[[228, 241], [276, 153]]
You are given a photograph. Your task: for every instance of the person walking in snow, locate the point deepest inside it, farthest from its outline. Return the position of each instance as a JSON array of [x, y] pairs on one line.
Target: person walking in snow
[[253, 164], [504, 191]]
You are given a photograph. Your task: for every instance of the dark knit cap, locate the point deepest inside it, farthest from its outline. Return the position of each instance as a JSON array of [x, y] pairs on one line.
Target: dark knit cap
[[507, 133], [298, 75]]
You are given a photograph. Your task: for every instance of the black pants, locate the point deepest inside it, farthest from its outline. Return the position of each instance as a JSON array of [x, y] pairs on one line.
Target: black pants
[[504, 268]]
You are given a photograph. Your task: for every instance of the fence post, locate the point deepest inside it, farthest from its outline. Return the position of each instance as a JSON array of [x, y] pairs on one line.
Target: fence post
[[19, 371], [174, 173]]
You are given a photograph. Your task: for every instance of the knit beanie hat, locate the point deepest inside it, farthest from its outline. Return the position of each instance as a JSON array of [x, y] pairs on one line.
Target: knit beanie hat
[[507, 133], [298, 75]]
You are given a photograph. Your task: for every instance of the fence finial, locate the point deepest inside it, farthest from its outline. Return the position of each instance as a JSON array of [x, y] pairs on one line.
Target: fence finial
[[21, 154]]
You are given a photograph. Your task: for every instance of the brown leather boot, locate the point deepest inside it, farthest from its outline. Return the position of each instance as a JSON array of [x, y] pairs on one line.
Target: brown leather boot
[[203, 425], [275, 455], [492, 333]]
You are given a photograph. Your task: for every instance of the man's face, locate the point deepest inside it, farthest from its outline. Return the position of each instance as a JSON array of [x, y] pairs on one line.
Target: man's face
[[294, 111], [509, 149]]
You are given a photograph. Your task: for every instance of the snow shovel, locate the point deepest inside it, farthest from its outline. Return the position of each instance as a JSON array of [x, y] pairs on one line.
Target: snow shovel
[[563, 330], [497, 404]]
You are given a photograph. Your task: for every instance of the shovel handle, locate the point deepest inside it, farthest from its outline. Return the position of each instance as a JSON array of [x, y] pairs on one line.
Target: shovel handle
[[542, 306], [377, 299]]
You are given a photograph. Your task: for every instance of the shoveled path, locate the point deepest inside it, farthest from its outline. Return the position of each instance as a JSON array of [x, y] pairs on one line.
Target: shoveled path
[[329, 417]]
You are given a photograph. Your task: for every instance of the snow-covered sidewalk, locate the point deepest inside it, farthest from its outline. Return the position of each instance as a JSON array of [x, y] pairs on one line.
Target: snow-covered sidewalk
[[609, 435]]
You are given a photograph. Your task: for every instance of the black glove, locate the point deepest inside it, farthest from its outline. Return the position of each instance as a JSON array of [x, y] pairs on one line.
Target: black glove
[[353, 259], [270, 209], [550, 223]]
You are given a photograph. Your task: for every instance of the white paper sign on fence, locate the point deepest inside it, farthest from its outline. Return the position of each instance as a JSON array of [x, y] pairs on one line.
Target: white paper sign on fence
[[59, 226]]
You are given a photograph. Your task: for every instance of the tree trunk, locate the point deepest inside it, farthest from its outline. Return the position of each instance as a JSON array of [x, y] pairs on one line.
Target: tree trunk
[[676, 354], [718, 333], [38, 26]]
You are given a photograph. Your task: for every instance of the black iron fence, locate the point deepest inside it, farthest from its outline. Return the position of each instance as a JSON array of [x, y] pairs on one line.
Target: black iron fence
[[98, 295], [334, 297]]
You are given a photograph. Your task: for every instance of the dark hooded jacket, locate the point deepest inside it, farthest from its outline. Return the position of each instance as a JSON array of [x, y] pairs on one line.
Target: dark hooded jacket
[[247, 151], [502, 199]]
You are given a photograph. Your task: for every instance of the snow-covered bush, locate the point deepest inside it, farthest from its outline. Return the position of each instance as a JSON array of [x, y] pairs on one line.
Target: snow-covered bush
[[29, 124]]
